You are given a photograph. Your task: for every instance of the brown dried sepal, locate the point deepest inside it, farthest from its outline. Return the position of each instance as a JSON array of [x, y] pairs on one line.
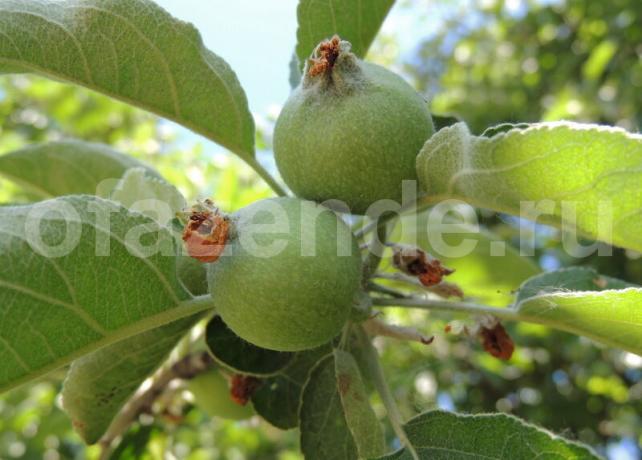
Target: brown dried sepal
[[496, 341], [329, 51], [206, 233], [416, 262], [243, 387]]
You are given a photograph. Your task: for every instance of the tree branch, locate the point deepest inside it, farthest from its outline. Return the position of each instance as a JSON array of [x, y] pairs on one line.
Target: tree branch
[[187, 367]]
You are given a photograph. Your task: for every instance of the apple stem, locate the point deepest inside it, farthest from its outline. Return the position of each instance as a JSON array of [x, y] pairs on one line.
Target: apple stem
[[375, 250], [266, 176]]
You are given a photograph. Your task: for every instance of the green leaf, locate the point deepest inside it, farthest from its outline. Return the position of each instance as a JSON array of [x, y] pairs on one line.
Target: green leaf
[[81, 273], [134, 445], [241, 356], [490, 271], [150, 196], [443, 121], [134, 51], [560, 170], [439, 435], [67, 168], [567, 280], [279, 398], [353, 20], [580, 301], [192, 274], [99, 384], [324, 428], [361, 419]]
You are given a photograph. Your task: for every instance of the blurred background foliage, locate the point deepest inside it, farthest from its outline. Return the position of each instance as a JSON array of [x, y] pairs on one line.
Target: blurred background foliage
[[488, 62]]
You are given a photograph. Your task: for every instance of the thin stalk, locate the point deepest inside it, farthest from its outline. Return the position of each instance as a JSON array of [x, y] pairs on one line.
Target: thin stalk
[[374, 287], [376, 374], [266, 176], [419, 206], [370, 226], [446, 305], [375, 250]]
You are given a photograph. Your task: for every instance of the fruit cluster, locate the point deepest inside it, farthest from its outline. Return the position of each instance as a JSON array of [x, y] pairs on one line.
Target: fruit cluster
[[285, 273]]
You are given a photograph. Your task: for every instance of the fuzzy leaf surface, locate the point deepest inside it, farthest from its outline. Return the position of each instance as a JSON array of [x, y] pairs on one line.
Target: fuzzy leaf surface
[[583, 302], [438, 435], [116, 278], [134, 51], [67, 168], [583, 178]]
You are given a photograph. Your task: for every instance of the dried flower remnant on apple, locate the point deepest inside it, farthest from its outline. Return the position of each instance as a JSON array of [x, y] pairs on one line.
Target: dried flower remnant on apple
[[242, 387], [351, 131], [206, 232]]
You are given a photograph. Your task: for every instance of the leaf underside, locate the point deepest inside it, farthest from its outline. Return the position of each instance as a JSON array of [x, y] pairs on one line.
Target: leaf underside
[[134, 51], [241, 356], [438, 435], [102, 290], [583, 178], [68, 168], [583, 302], [99, 384], [324, 429]]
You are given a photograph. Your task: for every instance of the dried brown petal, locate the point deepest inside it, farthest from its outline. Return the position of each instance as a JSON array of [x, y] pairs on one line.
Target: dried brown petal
[[243, 387], [497, 342]]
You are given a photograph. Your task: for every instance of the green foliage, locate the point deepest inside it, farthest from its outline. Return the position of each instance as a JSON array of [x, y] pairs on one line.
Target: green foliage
[[579, 176], [324, 428], [148, 195], [67, 168], [240, 356], [574, 59], [279, 398], [99, 383], [360, 418], [81, 292], [551, 61], [443, 435], [352, 20], [160, 64], [580, 301]]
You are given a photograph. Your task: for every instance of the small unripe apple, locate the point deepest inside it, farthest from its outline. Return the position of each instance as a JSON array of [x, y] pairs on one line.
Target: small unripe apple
[[212, 395], [288, 276], [350, 131]]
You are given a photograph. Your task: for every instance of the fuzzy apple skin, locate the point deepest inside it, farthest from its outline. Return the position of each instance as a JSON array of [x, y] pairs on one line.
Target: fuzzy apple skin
[[356, 143], [284, 300], [212, 395]]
